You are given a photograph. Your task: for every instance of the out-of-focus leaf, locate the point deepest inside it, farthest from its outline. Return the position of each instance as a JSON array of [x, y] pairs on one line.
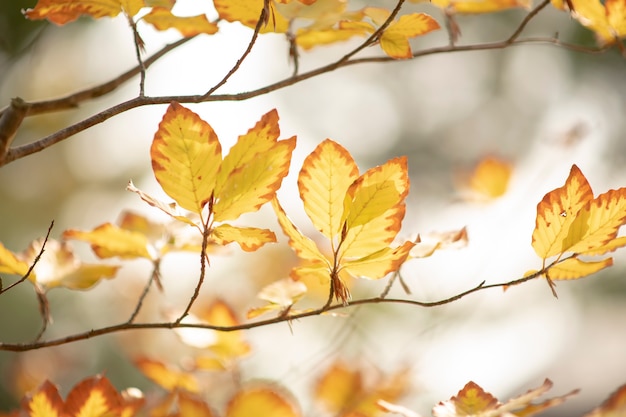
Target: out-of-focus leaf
[[109, 240], [44, 402], [188, 26], [93, 397], [267, 401], [167, 376], [614, 406]]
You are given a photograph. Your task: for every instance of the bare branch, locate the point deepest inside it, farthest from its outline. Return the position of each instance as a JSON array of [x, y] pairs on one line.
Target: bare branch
[[10, 122], [139, 48]]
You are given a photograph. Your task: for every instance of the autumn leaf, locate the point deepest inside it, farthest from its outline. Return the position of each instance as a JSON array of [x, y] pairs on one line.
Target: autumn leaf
[[186, 156], [192, 405], [488, 180], [61, 12], [108, 240], [167, 376], [188, 26], [171, 209], [44, 402], [571, 220], [360, 229], [248, 238], [428, 243], [93, 397], [253, 170], [247, 12], [266, 401], [484, 6], [280, 295], [607, 19], [57, 267], [472, 400]]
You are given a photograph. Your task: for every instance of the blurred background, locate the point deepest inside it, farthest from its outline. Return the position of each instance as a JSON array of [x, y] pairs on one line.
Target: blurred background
[[539, 107]]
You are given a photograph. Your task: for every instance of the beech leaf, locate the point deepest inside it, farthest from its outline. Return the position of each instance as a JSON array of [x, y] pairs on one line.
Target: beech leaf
[[108, 240], [248, 238], [61, 12], [166, 376], [188, 26], [93, 397], [261, 401], [483, 6]]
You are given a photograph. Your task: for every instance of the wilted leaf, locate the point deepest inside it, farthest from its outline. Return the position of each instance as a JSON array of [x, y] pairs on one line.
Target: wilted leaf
[[280, 295], [188, 26], [426, 244], [167, 376], [186, 156], [169, 209], [264, 401]]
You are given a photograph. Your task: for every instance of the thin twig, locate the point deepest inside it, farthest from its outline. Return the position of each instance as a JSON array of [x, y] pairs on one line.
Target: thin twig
[[10, 122], [527, 20], [154, 278], [35, 261], [139, 47], [257, 29]]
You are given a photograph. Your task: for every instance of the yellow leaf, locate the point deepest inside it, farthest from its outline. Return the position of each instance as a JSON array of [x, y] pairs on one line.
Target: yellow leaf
[[253, 184], [374, 209], [266, 401], [193, 406], [378, 264], [597, 223], [108, 240], [557, 211], [606, 18], [186, 156], [324, 179], [248, 238], [11, 264], [188, 26], [338, 387], [45, 402], [311, 271], [280, 295], [304, 247], [480, 6], [489, 179], [247, 12], [307, 38], [166, 376], [93, 397], [61, 12], [574, 268], [395, 39]]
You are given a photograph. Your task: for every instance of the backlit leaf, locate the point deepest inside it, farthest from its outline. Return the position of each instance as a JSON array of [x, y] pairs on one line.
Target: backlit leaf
[[426, 244], [167, 376], [557, 211], [61, 12], [265, 401], [108, 240], [193, 406], [395, 39], [247, 12], [45, 402], [280, 295], [304, 247], [188, 26], [186, 156], [597, 223], [93, 397], [12, 264], [607, 19], [324, 179], [489, 179], [481, 6], [574, 268], [338, 387], [374, 209], [378, 264], [248, 238]]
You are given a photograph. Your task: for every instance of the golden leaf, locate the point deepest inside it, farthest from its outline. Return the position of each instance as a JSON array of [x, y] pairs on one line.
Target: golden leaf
[[324, 179], [481, 6], [44, 402], [557, 211], [186, 156], [614, 406], [188, 26], [247, 12], [108, 240], [395, 39], [574, 268], [61, 12], [261, 401], [167, 376], [248, 238]]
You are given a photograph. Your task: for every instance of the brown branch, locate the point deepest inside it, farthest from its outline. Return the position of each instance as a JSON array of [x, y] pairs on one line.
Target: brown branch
[[22, 347], [41, 144], [257, 29], [10, 122], [139, 47]]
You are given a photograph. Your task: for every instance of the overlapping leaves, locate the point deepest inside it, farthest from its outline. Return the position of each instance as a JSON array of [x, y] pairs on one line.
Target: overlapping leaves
[[570, 220], [187, 162], [359, 215]]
